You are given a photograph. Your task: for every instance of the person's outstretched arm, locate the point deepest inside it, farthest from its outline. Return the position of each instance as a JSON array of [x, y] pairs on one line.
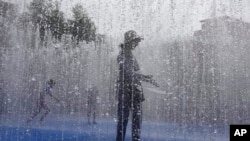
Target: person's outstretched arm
[[56, 99], [131, 69], [146, 78]]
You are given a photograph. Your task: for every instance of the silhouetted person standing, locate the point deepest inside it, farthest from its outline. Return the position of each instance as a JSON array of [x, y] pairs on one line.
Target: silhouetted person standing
[[92, 92], [129, 90]]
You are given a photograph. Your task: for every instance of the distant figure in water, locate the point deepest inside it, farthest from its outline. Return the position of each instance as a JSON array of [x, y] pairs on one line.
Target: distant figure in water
[[129, 88], [92, 92], [47, 90]]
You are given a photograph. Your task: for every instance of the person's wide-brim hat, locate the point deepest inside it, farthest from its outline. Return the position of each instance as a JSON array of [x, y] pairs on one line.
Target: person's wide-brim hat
[[130, 36]]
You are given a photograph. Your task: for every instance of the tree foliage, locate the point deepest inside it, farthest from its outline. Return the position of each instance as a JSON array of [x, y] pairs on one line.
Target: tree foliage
[[40, 11], [57, 23], [7, 17], [81, 27], [46, 16]]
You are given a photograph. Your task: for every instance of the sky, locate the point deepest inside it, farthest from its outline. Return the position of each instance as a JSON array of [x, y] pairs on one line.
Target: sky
[[155, 20]]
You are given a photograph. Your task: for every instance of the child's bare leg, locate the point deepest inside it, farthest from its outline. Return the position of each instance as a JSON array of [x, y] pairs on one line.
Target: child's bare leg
[[47, 110], [94, 114], [38, 110], [89, 113]]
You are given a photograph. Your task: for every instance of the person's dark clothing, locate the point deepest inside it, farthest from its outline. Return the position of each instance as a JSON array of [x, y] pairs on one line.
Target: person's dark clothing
[[130, 95], [46, 91]]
